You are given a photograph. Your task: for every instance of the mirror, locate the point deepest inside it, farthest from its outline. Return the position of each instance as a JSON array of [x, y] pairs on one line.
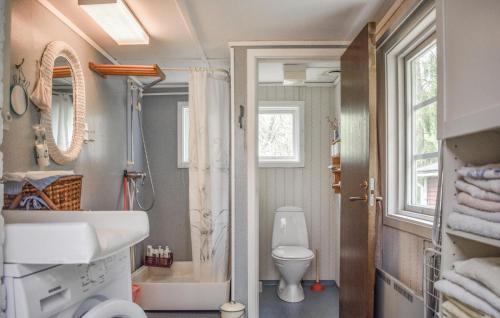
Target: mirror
[[18, 99], [60, 95], [62, 110]]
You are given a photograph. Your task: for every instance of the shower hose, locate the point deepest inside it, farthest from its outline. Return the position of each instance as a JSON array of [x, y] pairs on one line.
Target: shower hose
[[146, 156]]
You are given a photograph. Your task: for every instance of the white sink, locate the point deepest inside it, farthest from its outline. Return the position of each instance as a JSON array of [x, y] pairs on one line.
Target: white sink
[[69, 237]]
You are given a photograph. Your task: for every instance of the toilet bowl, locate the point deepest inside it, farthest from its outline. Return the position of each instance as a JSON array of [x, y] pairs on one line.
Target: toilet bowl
[[290, 252]]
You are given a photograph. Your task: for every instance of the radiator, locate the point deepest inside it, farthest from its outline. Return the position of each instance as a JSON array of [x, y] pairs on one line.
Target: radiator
[[394, 300]]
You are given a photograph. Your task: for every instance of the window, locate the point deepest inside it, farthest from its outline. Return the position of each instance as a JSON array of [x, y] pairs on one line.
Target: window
[[421, 128], [409, 58], [281, 134], [182, 135]]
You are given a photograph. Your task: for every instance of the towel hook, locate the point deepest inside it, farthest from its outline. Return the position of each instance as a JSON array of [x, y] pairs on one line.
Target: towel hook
[[20, 64]]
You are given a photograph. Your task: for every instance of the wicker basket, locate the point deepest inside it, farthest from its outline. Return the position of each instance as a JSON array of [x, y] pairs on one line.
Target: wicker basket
[[63, 194]]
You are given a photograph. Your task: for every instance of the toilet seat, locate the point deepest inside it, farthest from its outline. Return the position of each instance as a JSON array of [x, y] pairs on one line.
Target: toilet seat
[[292, 252]]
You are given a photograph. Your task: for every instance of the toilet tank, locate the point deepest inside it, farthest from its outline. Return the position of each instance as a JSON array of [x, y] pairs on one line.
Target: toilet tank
[[290, 228]]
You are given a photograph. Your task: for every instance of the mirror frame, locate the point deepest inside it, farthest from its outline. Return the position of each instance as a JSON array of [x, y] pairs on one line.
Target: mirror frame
[[26, 98], [52, 52]]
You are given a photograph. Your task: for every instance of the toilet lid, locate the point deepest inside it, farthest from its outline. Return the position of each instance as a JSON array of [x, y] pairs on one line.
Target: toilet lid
[[292, 252]]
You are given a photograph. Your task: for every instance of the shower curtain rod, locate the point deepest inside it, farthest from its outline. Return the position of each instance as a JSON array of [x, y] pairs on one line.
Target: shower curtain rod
[[187, 69]]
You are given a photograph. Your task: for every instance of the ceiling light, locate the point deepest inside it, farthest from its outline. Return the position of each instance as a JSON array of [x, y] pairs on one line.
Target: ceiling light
[[115, 17]]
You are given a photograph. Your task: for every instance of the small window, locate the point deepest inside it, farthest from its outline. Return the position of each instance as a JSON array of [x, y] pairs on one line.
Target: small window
[[421, 127], [281, 134], [182, 135]]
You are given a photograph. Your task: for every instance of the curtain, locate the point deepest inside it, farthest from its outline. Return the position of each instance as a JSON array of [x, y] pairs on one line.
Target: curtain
[[209, 175], [62, 120]]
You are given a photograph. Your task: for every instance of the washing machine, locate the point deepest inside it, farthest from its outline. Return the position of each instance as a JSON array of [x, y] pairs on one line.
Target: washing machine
[[101, 289]]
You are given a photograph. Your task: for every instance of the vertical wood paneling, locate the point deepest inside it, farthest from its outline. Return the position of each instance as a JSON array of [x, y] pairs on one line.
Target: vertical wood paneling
[[402, 257], [307, 187]]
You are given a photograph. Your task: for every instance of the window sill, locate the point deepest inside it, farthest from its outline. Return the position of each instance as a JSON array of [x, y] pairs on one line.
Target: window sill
[[419, 227]]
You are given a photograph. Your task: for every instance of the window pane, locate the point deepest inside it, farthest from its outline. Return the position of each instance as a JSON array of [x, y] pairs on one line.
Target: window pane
[[424, 132], [422, 148], [425, 182], [424, 75], [276, 135]]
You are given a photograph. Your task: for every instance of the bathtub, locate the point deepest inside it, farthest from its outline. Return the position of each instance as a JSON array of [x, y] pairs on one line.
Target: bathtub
[[174, 288]]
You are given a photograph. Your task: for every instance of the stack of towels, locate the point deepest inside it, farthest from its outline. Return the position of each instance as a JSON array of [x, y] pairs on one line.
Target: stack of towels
[[478, 201], [472, 289]]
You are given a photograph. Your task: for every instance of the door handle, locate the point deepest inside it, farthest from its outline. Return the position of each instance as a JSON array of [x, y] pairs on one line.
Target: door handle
[[363, 197]]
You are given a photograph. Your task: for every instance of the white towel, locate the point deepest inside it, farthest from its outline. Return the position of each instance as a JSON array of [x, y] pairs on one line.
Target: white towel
[[484, 270], [462, 222], [491, 171], [453, 308], [474, 288], [487, 185], [453, 290], [476, 192], [35, 175], [468, 200], [488, 216]]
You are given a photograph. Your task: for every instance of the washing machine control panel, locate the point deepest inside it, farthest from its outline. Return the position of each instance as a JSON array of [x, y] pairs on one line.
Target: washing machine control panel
[[48, 292], [102, 271]]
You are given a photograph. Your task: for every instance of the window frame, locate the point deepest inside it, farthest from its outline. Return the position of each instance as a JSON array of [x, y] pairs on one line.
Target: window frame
[[409, 109], [417, 27], [182, 143], [297, 109]]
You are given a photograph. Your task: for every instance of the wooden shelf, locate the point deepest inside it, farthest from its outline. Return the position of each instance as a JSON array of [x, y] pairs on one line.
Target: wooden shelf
[[129, 70], [336, 171], [473, 237], [336, 187]]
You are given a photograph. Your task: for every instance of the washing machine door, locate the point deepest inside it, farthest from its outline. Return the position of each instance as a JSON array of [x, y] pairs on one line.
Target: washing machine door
[[115, 308]]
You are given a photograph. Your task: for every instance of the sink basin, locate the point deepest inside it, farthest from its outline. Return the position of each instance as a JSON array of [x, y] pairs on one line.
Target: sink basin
[[69, 237]]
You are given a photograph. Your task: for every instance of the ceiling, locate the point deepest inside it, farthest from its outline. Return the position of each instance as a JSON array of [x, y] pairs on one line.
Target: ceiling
[[184, 32]]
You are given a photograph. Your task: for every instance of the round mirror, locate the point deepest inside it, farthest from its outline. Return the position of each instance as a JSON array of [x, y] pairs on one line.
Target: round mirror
[[18, 99], [62, 110]]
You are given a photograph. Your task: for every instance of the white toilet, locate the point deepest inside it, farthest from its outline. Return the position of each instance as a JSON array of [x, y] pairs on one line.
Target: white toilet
[[291, 253]]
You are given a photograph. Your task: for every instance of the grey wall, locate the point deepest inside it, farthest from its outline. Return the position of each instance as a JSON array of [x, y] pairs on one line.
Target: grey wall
[[100, 162], [169, 218], [308, 187], [239, 170]]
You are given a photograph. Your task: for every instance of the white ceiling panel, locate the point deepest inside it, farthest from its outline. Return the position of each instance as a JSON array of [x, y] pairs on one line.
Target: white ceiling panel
[[217, 22], [222, 21], [169, 38]]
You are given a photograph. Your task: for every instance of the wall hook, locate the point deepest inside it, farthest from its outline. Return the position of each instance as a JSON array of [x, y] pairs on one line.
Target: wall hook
[[20, 64]]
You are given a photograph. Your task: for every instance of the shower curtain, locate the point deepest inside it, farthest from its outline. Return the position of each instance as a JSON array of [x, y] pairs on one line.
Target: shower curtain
[[62, 119], [209, 174]]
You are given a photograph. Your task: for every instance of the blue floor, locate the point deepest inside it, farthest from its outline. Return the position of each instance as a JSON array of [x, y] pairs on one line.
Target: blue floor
[[315, 305]]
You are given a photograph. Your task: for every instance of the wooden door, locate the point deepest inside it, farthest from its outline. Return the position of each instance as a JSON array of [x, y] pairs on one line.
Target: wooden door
[[359, 169]]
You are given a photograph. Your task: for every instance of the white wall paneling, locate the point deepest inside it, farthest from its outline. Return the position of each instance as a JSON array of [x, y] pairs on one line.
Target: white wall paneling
[[308, 187], [468, 66]]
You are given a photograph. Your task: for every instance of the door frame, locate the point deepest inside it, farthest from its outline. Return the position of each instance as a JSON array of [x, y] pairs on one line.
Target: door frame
[[253, 57]]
